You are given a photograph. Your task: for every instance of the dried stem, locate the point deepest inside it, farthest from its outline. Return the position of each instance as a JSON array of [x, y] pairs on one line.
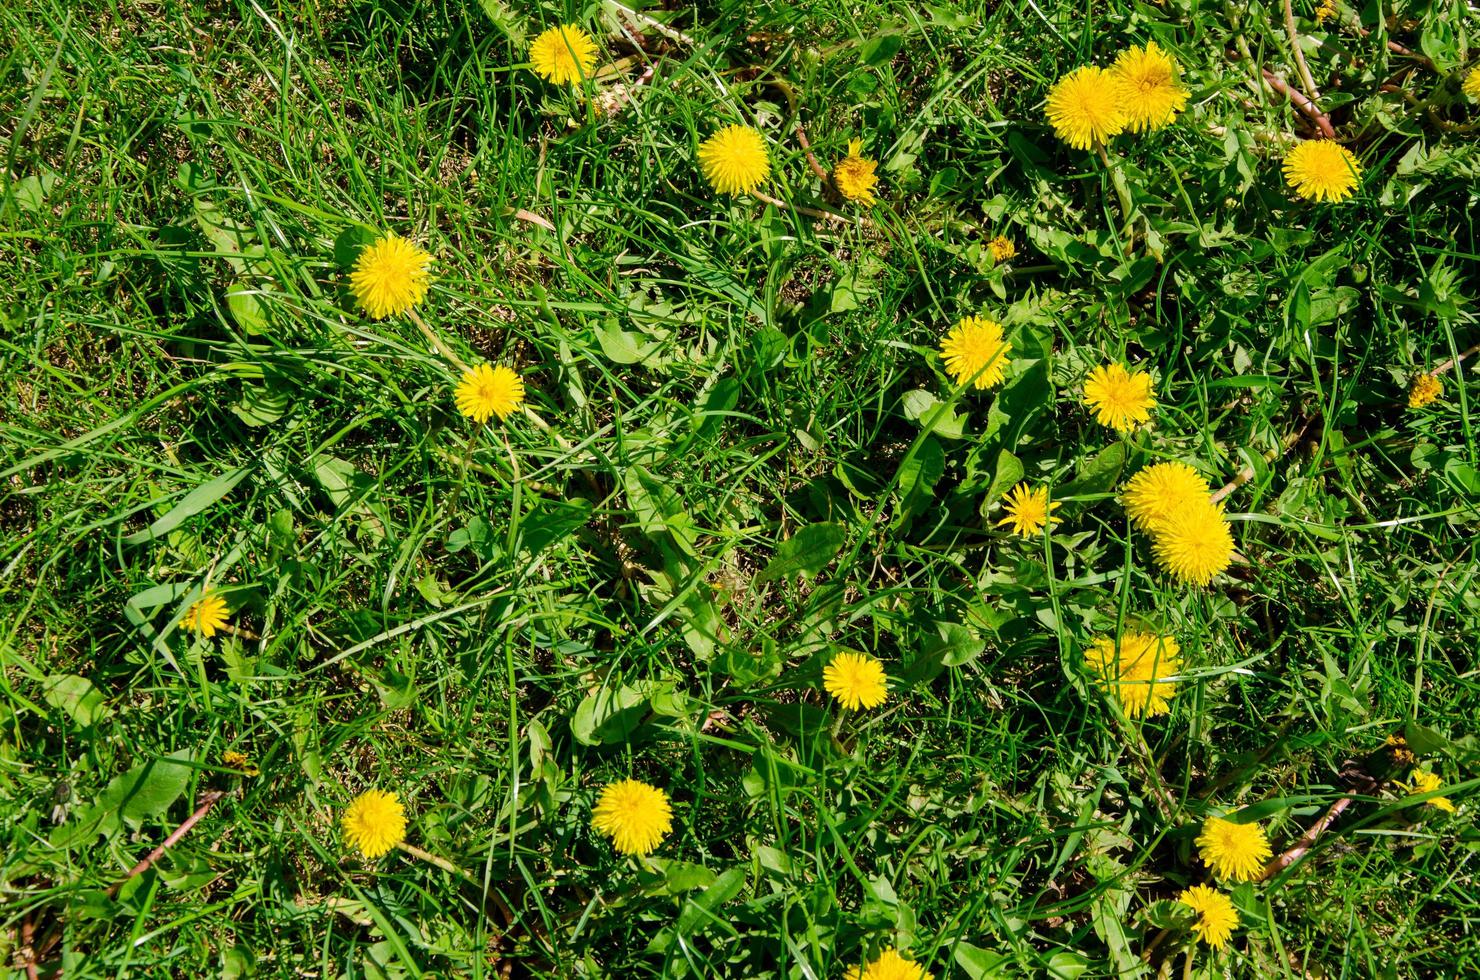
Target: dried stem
[[1307, 840], [436, 341], [811, 160], [1247, 473], [1300, 65], [208, 800], [1453, 361], [1301, 102]]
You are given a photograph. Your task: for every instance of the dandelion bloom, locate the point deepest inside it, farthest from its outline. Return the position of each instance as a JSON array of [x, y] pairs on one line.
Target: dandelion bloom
[[1236, 851], [889, 965], [1161, 490], [1216, 916], [1146, 85], [390, 277], [1134, 671], [1028, 510], [1472, 84], [976, 351], [1322, 170], [486, 390], [563, 55], [207, 616], [374, 823], [1194, 544], [1120, 399], [634, 815], [734, 160], [1426, 782], [1424, 389], [856, 680], [1001, 248], [240, 761], [854, 175], [1325, 11], [1084, 107]]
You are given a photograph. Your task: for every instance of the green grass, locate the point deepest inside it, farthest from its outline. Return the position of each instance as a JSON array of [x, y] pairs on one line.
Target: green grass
[[495, 622]]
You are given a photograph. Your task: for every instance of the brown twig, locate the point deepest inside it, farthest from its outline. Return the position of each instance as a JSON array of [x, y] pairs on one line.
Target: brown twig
[[1444, 368], [1305, 76], [1355, 776], [1301, 102], [811, 160], [1247, 473], [26, 953], [811, 212], [208, 800]]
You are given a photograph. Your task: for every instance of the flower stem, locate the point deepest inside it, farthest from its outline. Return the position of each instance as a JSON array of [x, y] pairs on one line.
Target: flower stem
[[436, 341], [1123, 192], [433, 859]]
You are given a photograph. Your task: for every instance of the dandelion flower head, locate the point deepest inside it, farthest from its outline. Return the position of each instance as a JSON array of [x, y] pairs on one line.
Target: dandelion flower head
[[1134, 671], [239, 761], [563, 55], [976, 351], [390, 277], [1084, 107], [486, 391], [1194, 544], [1235, 851], [1028, 510], [1161, 490], [207, 616], [889, 965], [854, 175], [634, 815], [1001, 248], [1426, 782], [1423, 390], [1216, 916], [734, 160], [1322, 170], [1325, 11], [856, 680], [374, 823], [1119, 398], [1146, 84]]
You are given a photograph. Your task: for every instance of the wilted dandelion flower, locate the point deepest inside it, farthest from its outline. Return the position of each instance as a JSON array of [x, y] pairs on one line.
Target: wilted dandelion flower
[[634, 815], [1084, 107], [976, 351], [1146, 85], [1028, 510], [1132, 671], [207, 616], [1161, 490], [390, 277], [1424, 781], [888, 965], [487, 390], [239, 761], [1235, 851], [374, 823], [1424, 389], [734, 160], [1001, 248], [856, 680], [1120, 399], [1322, 170], [563, 55], [1325, 11], [1194, 543], [854, 175], [1472, 84], [1216, 916]]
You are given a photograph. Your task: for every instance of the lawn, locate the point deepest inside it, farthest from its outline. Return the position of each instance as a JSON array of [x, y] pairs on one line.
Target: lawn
[[971, 489]]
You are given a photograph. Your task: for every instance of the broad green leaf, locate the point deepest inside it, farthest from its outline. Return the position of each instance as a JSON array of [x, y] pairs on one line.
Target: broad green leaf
[[146, 790], [193, 503], [981, 964], [1005, 476], [933, 415], [806, 553], [1097, 476], [880, 50], [77, 698], [608, 716]]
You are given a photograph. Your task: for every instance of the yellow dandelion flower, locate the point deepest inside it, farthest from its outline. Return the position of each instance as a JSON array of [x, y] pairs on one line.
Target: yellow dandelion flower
[[563, 55], [1424, 389], [1146, 85], [634, 815], [1322, 170], [1002, 249], [1084, 107], [1397, 745], [889, 965], [486, 391], [374, 823], [1236, 851], [390, 277], [1135, 671], [854, 175], [207, 616], [239, 761], [1028, 510], [1194, 543], [1325, 11], [1216, 916], [856, 680], [1426, 782], [976, 351], [1161, 490], [734, 160], [1472, 84], [1120, 399]]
